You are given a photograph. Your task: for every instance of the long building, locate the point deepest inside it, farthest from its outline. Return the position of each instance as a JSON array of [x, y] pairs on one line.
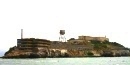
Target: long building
[[93, 38]]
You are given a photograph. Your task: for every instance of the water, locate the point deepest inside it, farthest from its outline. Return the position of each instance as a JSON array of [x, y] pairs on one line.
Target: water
[[68, 61]]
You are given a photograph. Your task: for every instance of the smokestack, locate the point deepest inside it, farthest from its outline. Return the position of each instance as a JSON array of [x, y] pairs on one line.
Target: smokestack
[[21, 33]]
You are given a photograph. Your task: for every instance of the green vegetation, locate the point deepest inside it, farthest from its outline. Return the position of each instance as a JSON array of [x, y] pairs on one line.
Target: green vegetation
[[106, 45], [99, 45], [116, 44], [90, 54]]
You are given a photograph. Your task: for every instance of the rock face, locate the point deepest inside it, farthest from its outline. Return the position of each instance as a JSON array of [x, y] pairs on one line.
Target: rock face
[[14, 52], [41, 48], [18, 54]]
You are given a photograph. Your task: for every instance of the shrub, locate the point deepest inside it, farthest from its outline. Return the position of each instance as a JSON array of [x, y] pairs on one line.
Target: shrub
[[90, 54]]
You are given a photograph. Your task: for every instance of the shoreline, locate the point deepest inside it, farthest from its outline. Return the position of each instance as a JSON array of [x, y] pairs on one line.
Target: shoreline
[[60, 57]]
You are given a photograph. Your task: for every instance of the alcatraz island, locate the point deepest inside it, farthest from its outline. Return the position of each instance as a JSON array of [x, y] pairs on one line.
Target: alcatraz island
[[84, 46]]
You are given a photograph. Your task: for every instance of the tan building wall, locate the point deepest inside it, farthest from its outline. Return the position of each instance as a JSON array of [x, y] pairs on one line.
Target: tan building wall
[[93, 38]]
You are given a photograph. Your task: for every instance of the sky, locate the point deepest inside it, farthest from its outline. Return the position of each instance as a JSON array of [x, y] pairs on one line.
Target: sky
[[44, 18]]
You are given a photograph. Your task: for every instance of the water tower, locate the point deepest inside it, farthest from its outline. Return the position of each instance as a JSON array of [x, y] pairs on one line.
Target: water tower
[[62, 36]]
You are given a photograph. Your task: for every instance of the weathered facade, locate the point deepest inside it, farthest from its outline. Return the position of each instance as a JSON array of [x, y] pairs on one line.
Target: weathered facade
[[31, 43], [93, 38]]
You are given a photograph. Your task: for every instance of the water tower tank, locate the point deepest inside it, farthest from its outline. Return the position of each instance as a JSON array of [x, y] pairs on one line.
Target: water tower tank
[[62, 32]]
